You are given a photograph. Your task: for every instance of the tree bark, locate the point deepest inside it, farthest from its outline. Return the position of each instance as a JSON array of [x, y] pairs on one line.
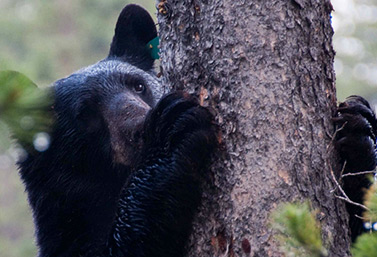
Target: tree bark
[[266, 67]]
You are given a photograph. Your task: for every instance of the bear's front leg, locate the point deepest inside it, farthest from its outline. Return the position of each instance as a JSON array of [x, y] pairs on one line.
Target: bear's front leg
[[158, 203]]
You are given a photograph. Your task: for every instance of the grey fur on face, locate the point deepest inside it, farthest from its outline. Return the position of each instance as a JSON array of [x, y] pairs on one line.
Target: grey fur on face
[[111, 66]]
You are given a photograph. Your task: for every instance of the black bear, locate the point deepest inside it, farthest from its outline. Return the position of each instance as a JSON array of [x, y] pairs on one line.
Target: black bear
[[356, 143], [122, 174]]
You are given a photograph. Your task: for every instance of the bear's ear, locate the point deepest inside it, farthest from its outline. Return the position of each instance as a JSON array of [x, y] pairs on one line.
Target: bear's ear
[[134, 29]]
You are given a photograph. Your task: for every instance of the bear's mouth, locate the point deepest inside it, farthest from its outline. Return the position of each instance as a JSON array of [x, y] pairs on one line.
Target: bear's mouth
[[126, 140], [125, 115]]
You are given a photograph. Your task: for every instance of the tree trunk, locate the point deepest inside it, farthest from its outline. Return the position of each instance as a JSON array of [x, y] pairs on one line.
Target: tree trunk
[[266, 67]]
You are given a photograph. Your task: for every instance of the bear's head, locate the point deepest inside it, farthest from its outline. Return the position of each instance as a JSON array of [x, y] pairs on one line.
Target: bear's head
[[105, 104]]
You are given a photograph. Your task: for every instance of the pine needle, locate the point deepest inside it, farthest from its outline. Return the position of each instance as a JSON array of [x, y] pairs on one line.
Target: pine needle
[[25, 108], [298, 231]]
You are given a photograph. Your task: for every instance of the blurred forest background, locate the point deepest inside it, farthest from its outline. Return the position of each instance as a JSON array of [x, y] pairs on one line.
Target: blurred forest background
[[49, 39]]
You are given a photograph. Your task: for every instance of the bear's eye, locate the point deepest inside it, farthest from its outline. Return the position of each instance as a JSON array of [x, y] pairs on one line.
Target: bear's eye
[[139, 88]]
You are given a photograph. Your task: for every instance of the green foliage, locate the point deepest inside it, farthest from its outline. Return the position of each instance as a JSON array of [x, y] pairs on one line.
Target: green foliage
[[365, 246], [298, 231], [24, 107], [371, 203]]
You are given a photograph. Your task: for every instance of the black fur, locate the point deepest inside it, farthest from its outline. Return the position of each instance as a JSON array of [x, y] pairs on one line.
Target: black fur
[[122, 175], [356, 143]]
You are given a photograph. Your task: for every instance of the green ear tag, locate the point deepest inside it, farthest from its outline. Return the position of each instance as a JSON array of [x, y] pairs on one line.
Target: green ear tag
[[153, 48]]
